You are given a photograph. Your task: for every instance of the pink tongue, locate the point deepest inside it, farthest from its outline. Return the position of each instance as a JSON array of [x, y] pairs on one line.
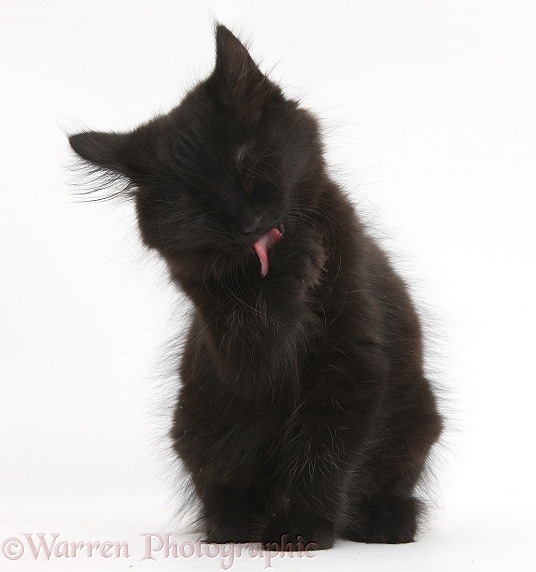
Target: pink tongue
[[263, 244]]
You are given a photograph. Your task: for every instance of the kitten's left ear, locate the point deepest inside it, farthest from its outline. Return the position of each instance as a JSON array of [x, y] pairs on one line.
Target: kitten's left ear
[[236, 75]]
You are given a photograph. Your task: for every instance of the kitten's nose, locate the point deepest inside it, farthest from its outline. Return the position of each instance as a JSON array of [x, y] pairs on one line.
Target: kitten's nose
[[251, 225]]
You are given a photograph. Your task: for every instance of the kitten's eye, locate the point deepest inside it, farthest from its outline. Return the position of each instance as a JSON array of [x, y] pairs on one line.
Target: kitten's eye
[[205, 211], [250, 184]]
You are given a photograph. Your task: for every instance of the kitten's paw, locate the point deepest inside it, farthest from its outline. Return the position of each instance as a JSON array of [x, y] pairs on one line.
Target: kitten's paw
[[386, 520], [281, 536], [225, 535], [230, 527], [301, 259]]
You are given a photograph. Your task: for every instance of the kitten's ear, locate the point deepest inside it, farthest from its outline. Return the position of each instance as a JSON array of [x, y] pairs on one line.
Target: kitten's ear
[[236, 75], [103, 150], [131, 154]]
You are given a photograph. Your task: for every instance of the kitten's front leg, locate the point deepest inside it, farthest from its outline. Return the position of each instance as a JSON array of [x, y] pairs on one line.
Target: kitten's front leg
[[320, 456], [306, 513]]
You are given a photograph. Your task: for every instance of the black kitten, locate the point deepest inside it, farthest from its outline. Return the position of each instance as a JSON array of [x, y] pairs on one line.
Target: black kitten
[[303, 414]]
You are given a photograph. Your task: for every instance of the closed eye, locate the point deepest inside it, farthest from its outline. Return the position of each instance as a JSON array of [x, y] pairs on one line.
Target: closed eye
[[250, 184], [204, 212]]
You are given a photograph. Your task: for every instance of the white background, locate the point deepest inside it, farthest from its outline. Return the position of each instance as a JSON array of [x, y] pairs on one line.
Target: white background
[[430, 117]]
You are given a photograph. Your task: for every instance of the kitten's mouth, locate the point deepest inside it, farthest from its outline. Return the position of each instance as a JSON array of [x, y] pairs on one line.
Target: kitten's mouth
[[263, 244]]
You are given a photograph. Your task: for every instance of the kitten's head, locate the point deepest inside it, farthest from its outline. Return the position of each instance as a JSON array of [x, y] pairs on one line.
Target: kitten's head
[[223, 173]]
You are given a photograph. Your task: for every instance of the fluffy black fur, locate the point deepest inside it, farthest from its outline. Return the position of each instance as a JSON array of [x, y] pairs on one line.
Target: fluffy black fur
[[303, 414]]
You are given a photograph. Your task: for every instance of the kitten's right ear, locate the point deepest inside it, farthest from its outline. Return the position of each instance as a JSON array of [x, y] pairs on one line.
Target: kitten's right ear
[[103, 150]]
